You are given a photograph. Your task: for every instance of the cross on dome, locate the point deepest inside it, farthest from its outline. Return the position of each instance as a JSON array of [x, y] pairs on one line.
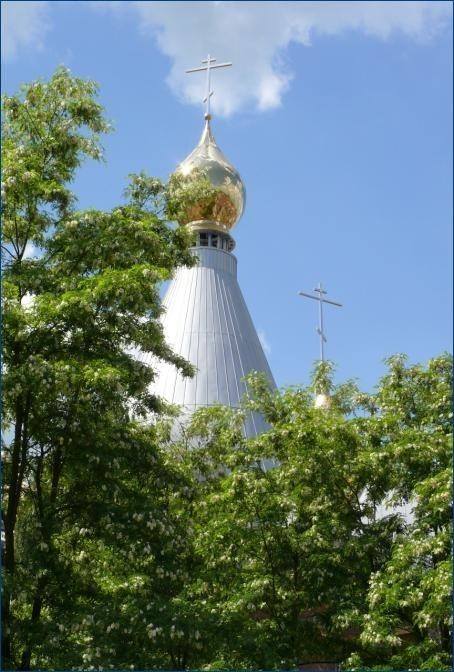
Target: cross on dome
[[321, 300], [209, 66]]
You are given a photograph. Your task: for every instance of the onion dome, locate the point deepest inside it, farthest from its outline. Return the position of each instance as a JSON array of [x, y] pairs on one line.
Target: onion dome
[[224, 208]]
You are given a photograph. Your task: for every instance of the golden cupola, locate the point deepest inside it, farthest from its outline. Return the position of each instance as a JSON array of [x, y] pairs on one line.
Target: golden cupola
[[222, 209]]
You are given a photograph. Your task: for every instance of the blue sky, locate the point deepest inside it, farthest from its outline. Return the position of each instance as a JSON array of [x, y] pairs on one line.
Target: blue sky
[[338, 115]]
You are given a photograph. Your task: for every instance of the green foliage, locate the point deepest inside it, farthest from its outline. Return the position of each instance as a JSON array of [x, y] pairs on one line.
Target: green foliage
[[128, 547], [315, 558], [190, 198], [322, 377], [81, 297], [412, 592]]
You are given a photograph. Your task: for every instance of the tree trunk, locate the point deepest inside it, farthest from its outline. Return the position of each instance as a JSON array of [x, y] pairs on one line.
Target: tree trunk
[[36, 615], [38, 600], [14, 489]]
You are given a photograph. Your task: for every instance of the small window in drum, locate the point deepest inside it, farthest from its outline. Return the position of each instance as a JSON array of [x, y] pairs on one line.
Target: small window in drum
[[214, 240], [203, 240]]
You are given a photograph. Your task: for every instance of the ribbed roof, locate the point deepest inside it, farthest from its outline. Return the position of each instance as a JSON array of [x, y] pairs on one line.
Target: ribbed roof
[[207, 322]]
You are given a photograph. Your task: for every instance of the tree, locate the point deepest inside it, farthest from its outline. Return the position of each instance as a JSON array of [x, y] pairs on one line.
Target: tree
[[314, 559], [410, 615], [126, 548], [81, 295], [282, 551]]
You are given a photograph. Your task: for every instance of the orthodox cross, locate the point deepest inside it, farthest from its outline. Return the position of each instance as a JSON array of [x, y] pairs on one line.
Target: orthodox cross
[[208, 61], [320, 298]]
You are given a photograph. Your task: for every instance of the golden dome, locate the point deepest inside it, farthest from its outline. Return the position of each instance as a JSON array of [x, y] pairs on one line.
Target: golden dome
[[222, 211]]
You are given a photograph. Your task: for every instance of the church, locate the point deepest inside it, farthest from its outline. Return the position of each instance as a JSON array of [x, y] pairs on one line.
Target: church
[[206, 319]]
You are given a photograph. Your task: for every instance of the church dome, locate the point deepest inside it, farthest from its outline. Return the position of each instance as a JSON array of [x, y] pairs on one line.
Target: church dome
[[224, 208]]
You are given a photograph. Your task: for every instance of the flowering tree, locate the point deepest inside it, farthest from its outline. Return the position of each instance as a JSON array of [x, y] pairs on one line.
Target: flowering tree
[[409, 619], [125, 548], [80, 294], [319, 558], [287, 551]]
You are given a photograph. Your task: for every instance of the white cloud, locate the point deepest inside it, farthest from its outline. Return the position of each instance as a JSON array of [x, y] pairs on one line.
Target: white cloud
[[255, 36], [24, 25], [264, 342]]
